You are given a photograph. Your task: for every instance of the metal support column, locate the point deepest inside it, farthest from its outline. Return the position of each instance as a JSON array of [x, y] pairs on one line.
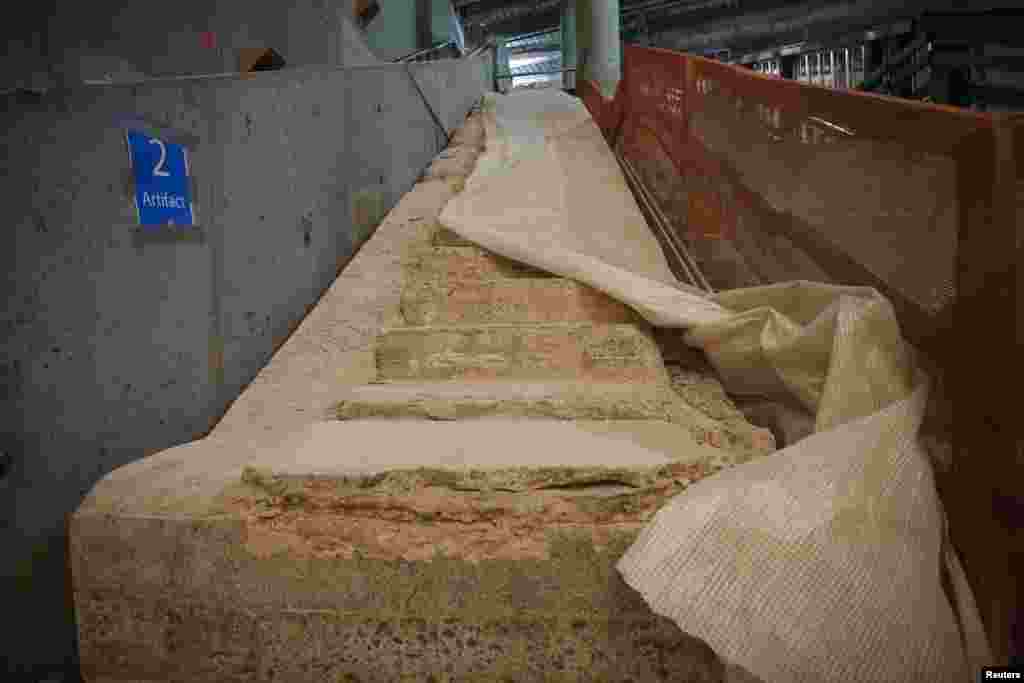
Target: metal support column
[[569, 44], [455, 27], [424, 37], [501, 66], [600, 41]]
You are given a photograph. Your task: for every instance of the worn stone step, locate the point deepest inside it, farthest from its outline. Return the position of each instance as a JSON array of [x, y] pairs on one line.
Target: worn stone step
[[565, 400], [437, 301], [458, 264], [446, 238], [462, 400], [614, 353], [386, 550]]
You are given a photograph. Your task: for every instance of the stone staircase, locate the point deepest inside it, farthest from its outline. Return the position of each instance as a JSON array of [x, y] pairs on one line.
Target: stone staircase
[[510, 363], [486, 336], [456, 519]]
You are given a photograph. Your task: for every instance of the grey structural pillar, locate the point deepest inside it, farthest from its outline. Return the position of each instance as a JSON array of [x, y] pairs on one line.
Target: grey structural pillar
[[599, 43], [569, 44], [502, 66], [424, 19], [455, 24], [493, 71]]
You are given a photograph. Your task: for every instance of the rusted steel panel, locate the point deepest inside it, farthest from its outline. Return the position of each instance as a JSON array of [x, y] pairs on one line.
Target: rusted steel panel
[[731, 134]]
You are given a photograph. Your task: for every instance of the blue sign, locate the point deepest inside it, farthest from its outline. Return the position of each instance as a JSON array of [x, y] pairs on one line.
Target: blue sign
[[162, 184]]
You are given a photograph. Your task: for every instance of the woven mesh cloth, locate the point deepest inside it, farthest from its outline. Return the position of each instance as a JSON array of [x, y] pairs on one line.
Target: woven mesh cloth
[[825, 561]]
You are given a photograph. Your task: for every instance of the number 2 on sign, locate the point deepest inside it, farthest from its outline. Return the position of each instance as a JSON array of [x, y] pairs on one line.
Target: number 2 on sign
[[158, 170]]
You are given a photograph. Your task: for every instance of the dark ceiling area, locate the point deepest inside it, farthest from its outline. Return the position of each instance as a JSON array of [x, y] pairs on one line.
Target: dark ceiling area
[[708, 25], [519, 16]]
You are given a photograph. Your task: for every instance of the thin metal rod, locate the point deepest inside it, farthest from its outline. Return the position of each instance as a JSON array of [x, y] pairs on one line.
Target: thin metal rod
[[681, 254], [536, 73], [674, 240], [424, 51]]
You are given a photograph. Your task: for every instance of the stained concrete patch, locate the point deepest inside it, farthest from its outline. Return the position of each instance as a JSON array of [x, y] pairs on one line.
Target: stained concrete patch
[[367, 211]]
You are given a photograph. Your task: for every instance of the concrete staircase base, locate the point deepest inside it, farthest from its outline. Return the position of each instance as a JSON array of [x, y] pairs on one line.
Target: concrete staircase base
[[387, 550], [462, 519]]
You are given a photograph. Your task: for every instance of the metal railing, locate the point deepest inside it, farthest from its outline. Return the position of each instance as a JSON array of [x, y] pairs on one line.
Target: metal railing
[[431, 53]]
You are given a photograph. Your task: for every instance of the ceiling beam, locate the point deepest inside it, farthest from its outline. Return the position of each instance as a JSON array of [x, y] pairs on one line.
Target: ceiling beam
[[784, 24], [528, 23], [710, 10]]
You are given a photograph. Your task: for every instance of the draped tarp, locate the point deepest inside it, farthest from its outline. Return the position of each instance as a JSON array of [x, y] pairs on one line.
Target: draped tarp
[[826, 561]]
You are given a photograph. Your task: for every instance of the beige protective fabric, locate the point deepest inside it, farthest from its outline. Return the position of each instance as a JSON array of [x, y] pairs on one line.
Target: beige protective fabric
[[823, 562]]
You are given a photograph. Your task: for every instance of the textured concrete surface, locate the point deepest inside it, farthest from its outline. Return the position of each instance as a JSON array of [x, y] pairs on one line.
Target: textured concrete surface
[[556, 351], [393, 32], [304, 33], [215, 562], [446, 238], [334, 345], [460, 263], [526, 300], [120, 343], [551, 399], [450, 87]]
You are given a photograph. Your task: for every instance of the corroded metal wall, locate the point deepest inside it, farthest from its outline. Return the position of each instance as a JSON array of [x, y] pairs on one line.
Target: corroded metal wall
[[922, 202]]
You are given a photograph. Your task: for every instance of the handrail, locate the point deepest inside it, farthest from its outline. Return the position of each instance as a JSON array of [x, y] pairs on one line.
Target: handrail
[[413, 55], [477, 50]]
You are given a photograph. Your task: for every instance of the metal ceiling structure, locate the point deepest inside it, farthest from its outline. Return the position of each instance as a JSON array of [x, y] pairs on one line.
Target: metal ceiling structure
[[673, 19], [713, 27], [518, 16]]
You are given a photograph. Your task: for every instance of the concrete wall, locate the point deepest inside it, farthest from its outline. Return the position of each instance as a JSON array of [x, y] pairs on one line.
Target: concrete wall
[[116, 343], [451, 88], [392, 34], [305, 32], [24, 35], [440, 21]]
